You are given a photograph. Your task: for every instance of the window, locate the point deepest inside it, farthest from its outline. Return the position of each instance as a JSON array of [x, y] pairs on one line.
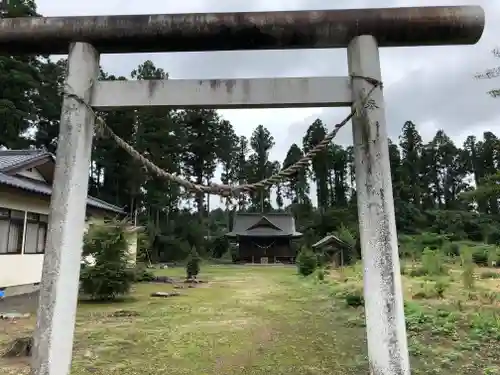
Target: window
[[16, 231], [11, 231], [36, 233]]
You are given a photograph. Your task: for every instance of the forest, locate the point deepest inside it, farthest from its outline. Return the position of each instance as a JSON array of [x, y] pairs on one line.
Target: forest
[[439, 186]]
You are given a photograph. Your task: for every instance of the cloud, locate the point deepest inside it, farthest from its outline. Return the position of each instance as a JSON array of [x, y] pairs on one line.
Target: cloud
[[432, 86], [425, 84]]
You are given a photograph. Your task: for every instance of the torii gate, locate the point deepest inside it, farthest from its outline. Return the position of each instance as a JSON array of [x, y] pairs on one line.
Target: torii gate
[[361, 31]]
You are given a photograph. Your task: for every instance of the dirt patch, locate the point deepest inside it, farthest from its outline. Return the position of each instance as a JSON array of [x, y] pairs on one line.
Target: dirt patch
[[15, 366], [15, 327], [257, 342], [230, 323], [124, 314], [491, 284], [26, 303]]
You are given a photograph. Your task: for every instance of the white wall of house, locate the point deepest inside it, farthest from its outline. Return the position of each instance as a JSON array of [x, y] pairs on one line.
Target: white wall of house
[[21, 269], [23, 202], [17, 271]]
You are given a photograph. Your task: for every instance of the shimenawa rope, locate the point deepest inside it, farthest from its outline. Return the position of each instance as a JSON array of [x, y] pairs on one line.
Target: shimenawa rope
[[103, 130]]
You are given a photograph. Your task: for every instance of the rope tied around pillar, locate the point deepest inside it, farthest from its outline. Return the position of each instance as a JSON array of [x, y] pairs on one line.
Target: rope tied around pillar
[[224, 190]]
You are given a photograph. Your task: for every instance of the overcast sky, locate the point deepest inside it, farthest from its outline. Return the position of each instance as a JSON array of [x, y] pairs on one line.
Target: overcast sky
[[432, 86]]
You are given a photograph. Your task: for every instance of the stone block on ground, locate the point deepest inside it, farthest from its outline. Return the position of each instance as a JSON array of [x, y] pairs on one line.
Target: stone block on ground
[[165, 294]]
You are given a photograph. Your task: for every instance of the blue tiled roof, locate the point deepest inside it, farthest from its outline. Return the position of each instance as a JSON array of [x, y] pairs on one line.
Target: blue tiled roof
[[9, 159]]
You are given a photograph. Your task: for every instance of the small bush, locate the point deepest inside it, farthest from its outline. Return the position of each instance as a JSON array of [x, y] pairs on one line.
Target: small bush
[[424, 294], [417, 272], [451, 249], [426, 291], [142, 275], [480, 255], [307, 262], [402, 268], [490, 275], [355, 299], [193, 265], [440, 287], [432, 263], [467, 259], [429, 290], [220, 246], [320, 274], [166, 249], [494, 257], [109, 276], [493, 237], [433, 241], [489, 297]]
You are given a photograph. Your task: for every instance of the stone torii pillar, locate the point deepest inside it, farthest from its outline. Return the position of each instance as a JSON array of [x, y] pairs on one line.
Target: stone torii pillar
[[361, 31]]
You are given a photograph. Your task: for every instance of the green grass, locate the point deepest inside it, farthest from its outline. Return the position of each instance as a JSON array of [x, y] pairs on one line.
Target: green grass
[[262, 320]]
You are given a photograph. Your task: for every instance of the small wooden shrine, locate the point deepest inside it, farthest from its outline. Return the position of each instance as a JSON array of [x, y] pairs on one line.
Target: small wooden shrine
[[338, 252], [265, 238]]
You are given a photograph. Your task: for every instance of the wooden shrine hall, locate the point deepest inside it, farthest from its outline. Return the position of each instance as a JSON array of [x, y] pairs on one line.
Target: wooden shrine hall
[[264, 238]]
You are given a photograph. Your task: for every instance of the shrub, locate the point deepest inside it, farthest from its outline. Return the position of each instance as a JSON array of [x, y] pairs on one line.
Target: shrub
[[433, 241], [355, 299], [306, 262], [402, 267], [494, 257], [220, 246], [142, 274], [490, 275], [424, 294], [440, 287], [108, 276], [169, 249], [493, 237], [320, 274], [432, 263], [417, 272], [429, 290], [480, 255], [193, 265], [451, 249], [467, 258]]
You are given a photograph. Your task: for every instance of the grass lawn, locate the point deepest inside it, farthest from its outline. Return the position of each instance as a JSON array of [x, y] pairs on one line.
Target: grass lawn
[[267, 320]]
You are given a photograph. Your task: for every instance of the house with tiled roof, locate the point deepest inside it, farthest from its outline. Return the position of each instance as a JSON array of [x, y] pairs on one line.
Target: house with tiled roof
[[26, 178], [265, 238]]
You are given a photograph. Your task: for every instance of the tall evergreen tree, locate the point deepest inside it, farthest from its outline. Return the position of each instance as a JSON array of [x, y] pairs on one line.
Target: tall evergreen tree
[[19, 86], [320, 162], [296, 188], [410, 143], [260, 167]]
